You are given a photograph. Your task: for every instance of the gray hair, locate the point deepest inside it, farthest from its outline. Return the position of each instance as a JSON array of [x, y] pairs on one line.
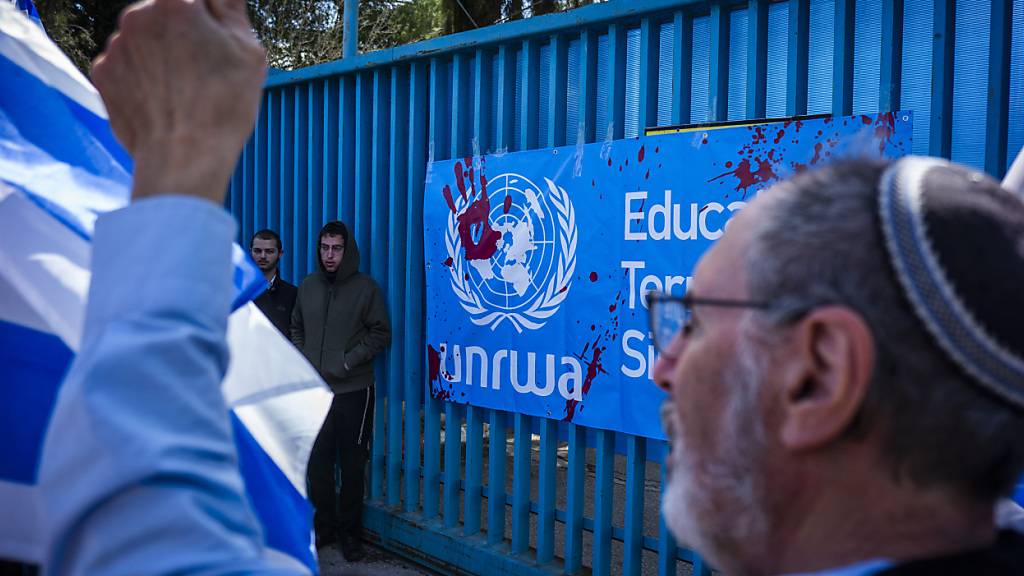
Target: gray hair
[[819, 243]]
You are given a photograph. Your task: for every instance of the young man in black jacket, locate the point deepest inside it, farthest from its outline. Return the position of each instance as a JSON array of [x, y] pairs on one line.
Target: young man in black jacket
[[279, 299], [340, 323]]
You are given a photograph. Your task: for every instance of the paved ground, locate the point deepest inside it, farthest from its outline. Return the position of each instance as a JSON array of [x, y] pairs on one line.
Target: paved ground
[[377, 562]]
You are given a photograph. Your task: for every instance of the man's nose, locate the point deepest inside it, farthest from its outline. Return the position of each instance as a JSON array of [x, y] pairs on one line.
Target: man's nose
[[663, 368]]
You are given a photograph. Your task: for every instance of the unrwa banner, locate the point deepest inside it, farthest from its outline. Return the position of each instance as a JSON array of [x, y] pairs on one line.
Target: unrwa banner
[[538, 262]]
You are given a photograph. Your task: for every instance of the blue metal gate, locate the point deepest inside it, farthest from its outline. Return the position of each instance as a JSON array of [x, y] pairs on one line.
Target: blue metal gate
[[353, 139]]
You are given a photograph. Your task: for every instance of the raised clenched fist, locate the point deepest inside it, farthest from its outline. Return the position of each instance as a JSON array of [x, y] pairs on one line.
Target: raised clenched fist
[[181, 80]]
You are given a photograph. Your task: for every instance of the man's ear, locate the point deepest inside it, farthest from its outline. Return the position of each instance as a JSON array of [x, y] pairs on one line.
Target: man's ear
[[826, 373]]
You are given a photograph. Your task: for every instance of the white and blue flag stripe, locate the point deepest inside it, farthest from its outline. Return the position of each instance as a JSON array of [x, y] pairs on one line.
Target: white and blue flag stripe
[[60, 167]]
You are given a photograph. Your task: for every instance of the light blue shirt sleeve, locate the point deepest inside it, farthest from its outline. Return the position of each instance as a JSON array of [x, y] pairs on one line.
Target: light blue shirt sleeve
[[139, 472]]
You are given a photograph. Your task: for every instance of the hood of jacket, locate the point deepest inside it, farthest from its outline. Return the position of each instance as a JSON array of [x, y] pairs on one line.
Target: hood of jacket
[[349, 260]]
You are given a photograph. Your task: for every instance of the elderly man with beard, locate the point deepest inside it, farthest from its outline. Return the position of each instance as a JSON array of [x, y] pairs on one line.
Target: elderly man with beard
[[846, 377]]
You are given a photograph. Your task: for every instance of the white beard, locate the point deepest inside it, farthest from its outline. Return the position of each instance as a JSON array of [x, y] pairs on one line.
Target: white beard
[[713, 503]]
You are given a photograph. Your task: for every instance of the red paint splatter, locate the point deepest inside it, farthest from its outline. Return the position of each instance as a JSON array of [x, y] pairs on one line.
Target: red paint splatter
[[885, 127], [657, 149], [433, 363], [592, 327], [448, 197], [647, 174], [466, 276], [460, 179], [593, 276], [778, 137], [817, 153], [508, 204], [866, 119], [704, 141], [434, 366], [748, 177], [728, 164], [799, 125], [609, 160], [594, 368], [758, 135], [612, 307], [640, 155], [449, 262], [563, 289], [477, 214]]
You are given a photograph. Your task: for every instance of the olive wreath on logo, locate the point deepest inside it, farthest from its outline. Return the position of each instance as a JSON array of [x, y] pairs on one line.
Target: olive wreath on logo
[[546, 303]]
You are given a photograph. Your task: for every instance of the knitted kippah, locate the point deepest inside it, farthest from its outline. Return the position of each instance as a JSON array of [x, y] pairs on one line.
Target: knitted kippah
[[956, 240]]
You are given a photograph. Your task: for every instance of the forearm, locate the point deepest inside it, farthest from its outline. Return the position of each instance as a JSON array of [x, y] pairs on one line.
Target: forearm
[[139, 470]]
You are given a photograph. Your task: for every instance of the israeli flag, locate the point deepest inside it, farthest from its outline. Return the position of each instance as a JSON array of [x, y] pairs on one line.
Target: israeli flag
[[60, 166]]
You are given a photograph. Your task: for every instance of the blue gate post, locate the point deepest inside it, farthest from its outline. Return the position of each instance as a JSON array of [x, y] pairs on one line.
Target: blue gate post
[[350, 29]]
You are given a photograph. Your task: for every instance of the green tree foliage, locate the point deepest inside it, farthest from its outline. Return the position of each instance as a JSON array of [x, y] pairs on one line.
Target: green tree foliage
[[80, 27], [298, 33]]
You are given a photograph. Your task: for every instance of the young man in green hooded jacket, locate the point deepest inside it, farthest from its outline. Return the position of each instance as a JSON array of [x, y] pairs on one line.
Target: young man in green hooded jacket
[[340, 323]]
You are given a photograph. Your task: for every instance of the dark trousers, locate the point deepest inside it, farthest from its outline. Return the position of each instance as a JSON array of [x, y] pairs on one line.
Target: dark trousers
[[344, 439]]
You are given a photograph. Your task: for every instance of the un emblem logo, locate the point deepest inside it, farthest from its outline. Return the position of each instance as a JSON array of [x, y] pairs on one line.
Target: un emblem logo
[[511, 250]]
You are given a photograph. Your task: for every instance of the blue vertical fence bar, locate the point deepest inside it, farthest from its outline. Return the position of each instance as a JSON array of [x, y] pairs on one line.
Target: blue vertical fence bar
[[943, 38], [796, 67], [647, 111], [617, 82], [397, 207], [432, 406], [521, 446], [718, 92], [842, 58], [997, 119], [355, 140], [359, 226], [574, 499], [504, 99], [414, 285], [523, 425], [474, 468], [496, 478], [314, 177], [376, 246], [452, 462], [475, 417], [891, 76], [603, 495], [757, 58], [682, 64], [558, 74], [666, 543], [588, 86], [458, 148], [546, 491], [636, 468]]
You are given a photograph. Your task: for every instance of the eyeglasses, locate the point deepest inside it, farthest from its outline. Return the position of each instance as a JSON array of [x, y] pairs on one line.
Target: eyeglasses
[[339, 248], [670, 315]]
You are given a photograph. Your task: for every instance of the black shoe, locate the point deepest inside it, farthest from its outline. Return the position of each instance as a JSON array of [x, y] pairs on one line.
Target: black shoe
[[352, 549]]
